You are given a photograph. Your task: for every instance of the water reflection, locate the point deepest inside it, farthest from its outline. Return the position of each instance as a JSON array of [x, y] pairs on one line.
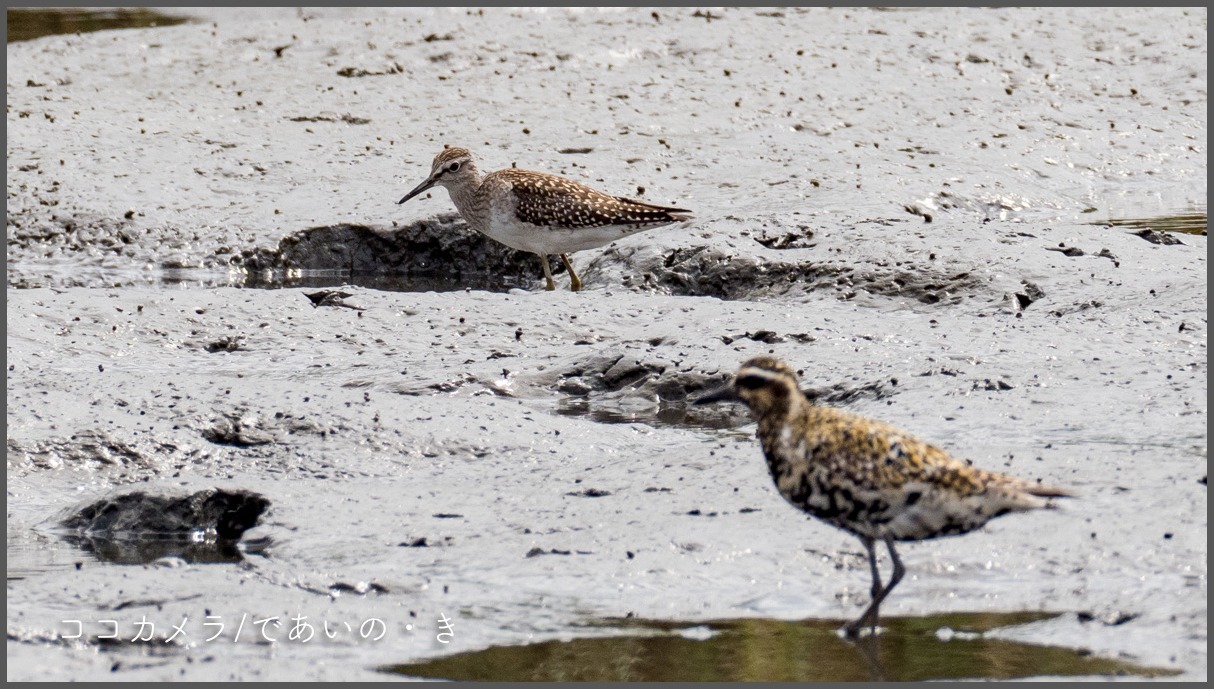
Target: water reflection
[[1194, 222], [65, 275], [147, 549], [951, 646], [663, 414], [413, 281], [28, 24]]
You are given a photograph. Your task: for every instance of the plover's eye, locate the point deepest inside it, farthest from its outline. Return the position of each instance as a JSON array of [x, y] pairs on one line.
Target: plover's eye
[[752, 382], [453, 167]]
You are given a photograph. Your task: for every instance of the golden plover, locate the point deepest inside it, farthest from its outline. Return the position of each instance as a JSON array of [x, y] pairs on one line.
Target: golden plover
[[867, 477], [538, 212]]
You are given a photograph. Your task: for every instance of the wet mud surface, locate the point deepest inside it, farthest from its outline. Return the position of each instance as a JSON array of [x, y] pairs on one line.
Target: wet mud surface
[[983, 226]]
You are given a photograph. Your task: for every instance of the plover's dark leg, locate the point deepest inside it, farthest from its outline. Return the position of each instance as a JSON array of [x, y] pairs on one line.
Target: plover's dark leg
[[852, 629], [894, 578], [871, 547], [575, 284], [899, 570], [869, 618]]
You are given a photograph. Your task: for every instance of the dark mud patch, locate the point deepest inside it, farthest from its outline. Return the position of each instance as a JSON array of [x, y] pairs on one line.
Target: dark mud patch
[[800, 238], [994, 207], [769, 337], [1157, 237], [96, 450], [439, 254], [28, 24], [611, 372], [334, 298], [843, 394], [702, 271], [244, 429], [140, 527], [615, 388], [952, 646], [677, 415], [621, 388]]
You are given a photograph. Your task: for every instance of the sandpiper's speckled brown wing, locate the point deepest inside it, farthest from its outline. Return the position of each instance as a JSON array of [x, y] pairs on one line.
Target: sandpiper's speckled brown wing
[[550, 201]]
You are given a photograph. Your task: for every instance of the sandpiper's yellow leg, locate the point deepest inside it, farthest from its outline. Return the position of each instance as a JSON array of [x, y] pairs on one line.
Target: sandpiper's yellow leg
[[575, 283], [547, 273]]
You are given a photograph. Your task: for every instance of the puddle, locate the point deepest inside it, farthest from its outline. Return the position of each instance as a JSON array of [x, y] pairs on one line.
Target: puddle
[[949, 646], [148, 549], [448, 281], [614, 389], [28, 24], [437, 254], [65, 275], [31, 556], [679, 416], [1191, 222]]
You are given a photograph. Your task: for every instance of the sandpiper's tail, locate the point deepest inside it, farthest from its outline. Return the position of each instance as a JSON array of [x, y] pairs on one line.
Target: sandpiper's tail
[[655, 213], [1014, 494], [1043, 491]]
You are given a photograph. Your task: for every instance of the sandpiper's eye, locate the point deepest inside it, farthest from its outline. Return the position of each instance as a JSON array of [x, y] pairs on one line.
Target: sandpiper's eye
[[751, 382], [453, 167]]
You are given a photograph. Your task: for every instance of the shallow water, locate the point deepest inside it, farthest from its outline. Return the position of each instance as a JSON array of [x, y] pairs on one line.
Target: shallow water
[[677, 415], [30, 555], [951, 646], [1192, 221], [65, 274], [28, 24], [388, 282]]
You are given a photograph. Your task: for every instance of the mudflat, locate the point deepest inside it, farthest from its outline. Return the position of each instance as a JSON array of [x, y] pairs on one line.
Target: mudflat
[[985, 226]]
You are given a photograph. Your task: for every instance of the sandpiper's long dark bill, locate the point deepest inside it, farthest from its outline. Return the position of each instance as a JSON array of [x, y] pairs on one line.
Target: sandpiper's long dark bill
[[538, 212], [866, 477], [424, 186]]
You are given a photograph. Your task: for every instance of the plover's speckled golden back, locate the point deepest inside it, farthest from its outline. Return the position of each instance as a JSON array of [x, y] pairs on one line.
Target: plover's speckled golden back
[[538, 212], [867, 477]]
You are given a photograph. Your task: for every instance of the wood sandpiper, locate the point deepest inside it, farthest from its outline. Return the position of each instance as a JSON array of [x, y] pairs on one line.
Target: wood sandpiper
[[541, 213], [867, 477]]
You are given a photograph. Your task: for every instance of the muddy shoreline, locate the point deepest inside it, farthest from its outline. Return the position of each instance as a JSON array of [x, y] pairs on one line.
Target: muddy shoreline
[[930, 222]]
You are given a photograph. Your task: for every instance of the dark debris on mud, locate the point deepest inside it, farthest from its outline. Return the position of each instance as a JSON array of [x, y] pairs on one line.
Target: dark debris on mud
[[703, 271], [1157, 237], [227, 513], [141, 527], [441, 251], [622, 388], [245, 429], [613, 372], [98, 450]]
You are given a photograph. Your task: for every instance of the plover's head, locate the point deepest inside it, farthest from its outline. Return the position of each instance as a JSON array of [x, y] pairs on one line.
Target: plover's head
[[763, 383], [453, 167]]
